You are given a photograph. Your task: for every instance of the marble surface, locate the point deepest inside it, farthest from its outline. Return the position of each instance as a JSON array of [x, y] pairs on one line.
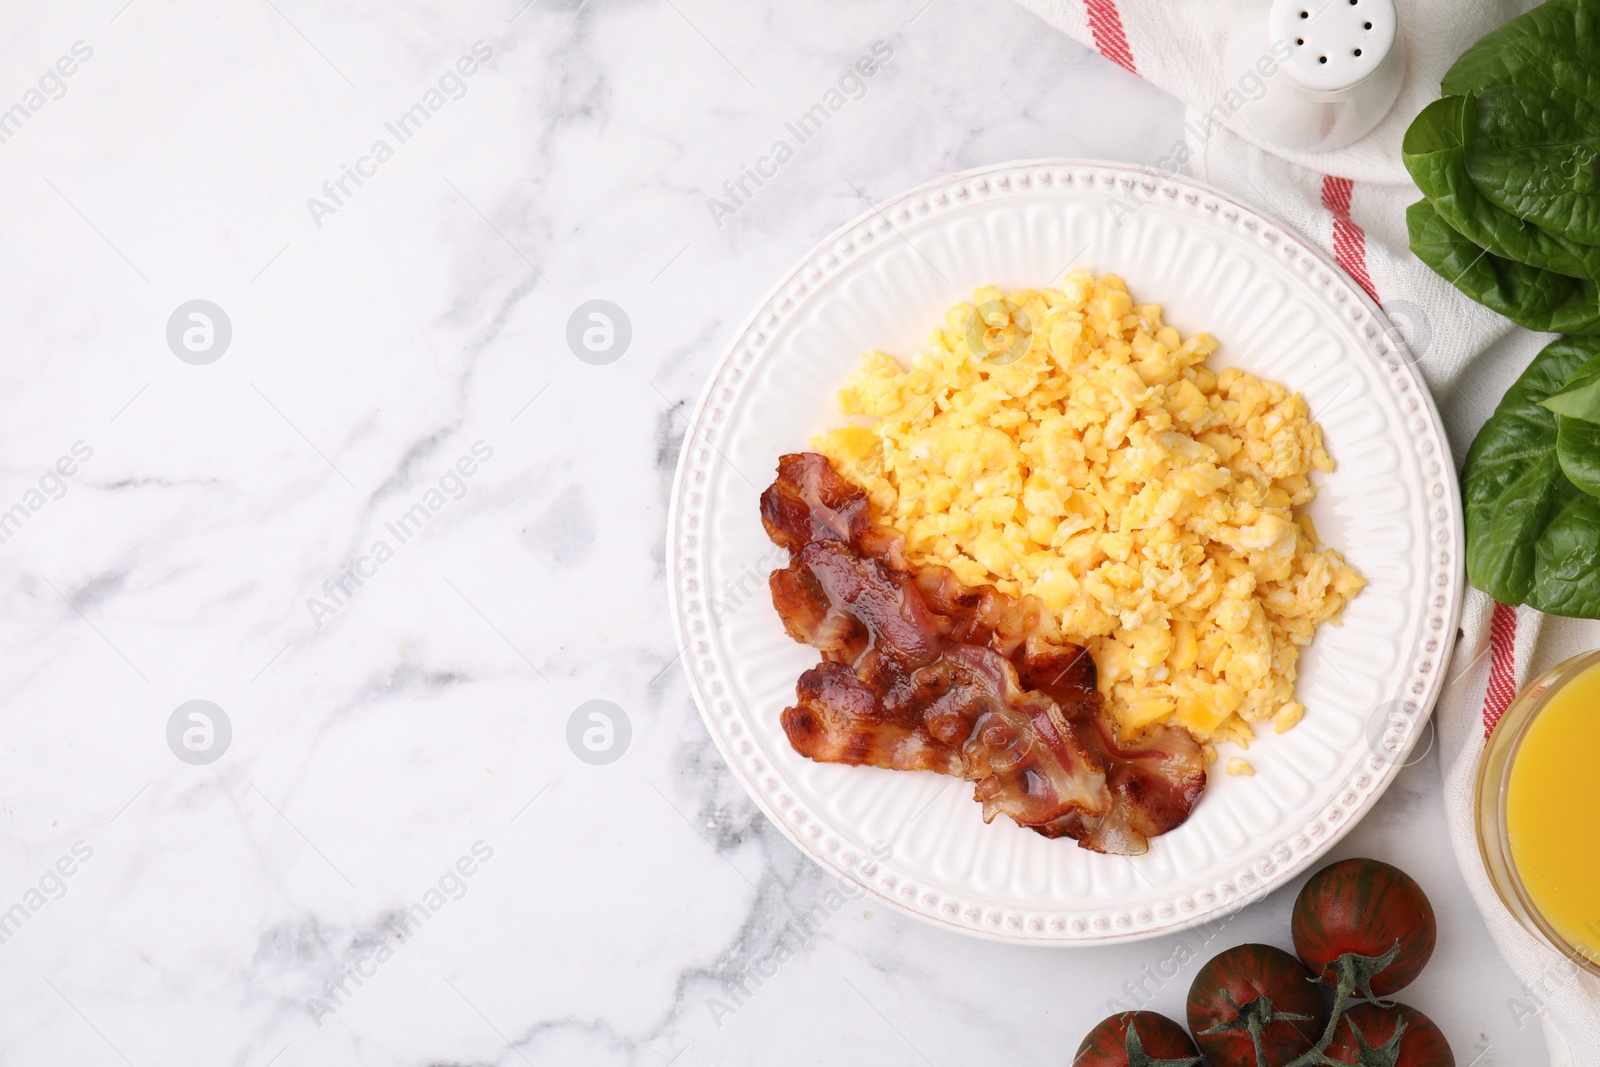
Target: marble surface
[[397, 534]]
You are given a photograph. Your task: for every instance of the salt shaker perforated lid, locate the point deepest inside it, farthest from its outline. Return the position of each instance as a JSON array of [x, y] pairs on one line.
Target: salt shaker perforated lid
[[1337, 67]]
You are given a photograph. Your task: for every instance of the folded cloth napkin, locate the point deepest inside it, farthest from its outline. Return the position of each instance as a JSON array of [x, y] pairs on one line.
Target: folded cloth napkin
[[1352, 202]]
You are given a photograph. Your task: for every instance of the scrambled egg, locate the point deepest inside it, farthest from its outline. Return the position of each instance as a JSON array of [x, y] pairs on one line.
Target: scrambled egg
[[1069, 445]]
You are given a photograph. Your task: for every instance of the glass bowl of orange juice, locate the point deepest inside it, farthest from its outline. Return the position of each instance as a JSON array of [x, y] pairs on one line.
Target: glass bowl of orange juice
[[1537, 782]]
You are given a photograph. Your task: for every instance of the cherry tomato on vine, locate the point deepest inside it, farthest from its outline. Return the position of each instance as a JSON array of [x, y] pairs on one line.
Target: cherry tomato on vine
[[1255, 1006], [1137, 1039], [1352, 915], [1367, 1035]]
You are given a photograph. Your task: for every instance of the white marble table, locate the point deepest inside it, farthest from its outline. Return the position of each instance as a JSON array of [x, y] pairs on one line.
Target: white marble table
[[396, 857]]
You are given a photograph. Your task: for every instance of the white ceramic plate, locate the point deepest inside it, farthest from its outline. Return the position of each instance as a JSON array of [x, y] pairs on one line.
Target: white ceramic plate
[[1279, 309]]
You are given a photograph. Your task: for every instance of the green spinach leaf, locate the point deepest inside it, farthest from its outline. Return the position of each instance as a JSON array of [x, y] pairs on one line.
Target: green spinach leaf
[[1535, 152], [1557, 42], [1538, 299], [1532, 536], [1578, 450], [1579, 398], [1435, 154]]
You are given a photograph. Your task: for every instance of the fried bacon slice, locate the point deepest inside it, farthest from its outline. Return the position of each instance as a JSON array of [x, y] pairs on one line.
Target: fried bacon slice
[[920, 672]]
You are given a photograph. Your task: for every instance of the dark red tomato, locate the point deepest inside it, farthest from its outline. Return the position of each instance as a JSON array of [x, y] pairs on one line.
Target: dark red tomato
[[1156, 1041], [1363, 908], [1260, 983], [1368, 1026]]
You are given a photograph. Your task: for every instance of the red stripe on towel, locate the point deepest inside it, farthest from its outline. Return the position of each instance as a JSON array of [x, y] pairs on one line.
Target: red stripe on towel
[[1502, 666], [1106, 26], [1349, 240]]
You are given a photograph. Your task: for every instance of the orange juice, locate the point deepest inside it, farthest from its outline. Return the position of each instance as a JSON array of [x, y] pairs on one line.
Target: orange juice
[[1551, 801]]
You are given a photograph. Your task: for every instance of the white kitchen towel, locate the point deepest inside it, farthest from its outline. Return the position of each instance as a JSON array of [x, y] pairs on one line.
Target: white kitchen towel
[[1352, 202]]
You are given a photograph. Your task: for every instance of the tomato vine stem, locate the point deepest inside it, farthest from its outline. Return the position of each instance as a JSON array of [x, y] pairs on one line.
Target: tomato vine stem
[[1354, 974], [1254, 1018]]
